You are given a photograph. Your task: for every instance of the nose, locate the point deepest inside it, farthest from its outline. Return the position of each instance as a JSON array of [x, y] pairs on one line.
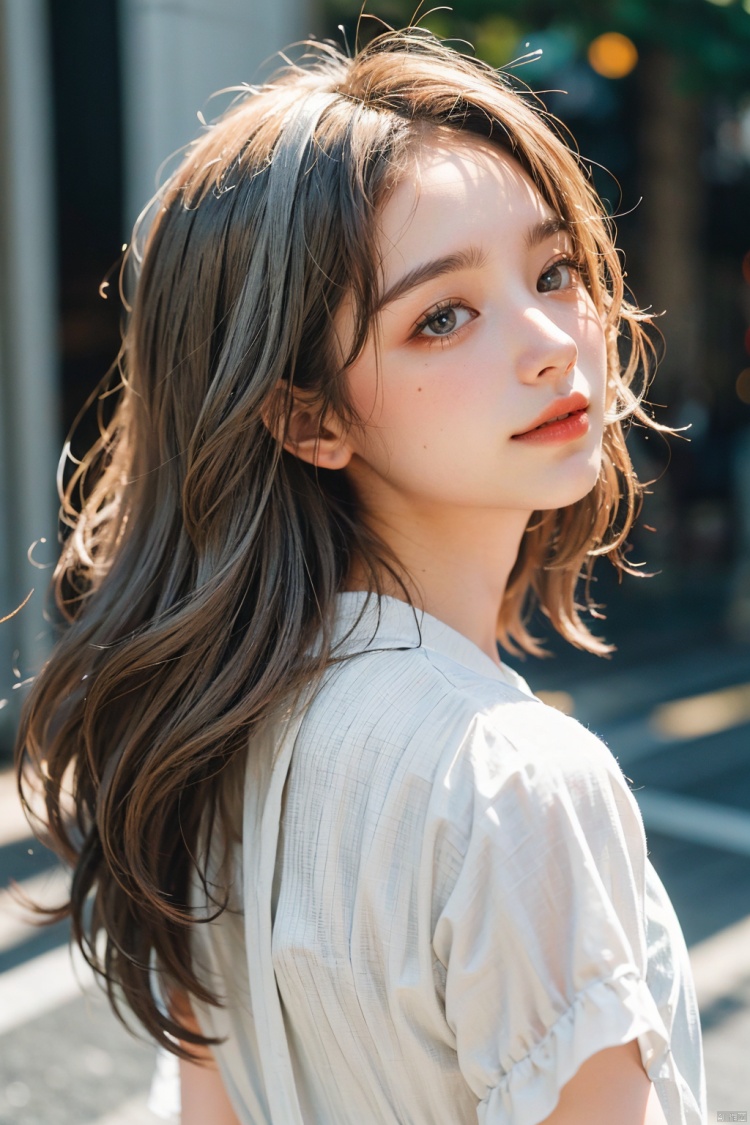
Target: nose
[[547, 351]]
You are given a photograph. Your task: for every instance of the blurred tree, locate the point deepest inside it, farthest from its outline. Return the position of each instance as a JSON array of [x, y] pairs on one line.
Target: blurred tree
[[709, 39]]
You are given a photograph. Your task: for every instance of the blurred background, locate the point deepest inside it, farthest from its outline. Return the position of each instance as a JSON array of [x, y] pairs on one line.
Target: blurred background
[[95, 95]]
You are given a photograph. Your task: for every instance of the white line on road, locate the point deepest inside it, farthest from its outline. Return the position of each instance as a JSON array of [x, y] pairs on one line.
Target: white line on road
[[41, 985], [700, 822]]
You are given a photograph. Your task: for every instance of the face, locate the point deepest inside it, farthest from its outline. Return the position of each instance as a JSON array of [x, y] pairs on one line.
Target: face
[[485, 336]]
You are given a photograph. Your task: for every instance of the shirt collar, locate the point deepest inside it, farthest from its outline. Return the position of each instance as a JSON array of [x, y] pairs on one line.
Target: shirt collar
[[366, 623]]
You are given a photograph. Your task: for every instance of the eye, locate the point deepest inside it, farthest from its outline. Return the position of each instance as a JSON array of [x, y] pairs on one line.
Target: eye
[[445, 320], [562, 274]]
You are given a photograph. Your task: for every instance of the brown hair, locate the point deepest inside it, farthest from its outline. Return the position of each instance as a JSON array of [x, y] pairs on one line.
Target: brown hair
[[202, 560]]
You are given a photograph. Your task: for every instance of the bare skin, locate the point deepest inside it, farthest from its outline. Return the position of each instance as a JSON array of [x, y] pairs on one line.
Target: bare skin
[[204, 1098], [202, 1092]]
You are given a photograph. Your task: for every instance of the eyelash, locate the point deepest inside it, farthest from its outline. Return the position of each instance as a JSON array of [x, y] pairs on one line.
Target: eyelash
[[433, 314], [573, 263], [454, 303]]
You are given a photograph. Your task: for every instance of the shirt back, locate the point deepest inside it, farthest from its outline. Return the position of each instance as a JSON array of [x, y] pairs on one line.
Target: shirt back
[[445, 904]]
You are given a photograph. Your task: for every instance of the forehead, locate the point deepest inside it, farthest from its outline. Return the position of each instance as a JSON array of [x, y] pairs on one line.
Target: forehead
[[454, 191]]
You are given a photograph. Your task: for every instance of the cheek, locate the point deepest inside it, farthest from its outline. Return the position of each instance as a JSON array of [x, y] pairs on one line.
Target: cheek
[[384, 405], [438, 403], [407, 403], [592, 347]]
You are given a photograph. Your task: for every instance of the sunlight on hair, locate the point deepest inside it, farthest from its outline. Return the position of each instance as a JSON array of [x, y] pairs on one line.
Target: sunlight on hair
[[18, 608], [701, 715]]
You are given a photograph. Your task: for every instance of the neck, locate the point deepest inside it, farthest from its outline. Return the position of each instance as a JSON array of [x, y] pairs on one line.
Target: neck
[[456, 565]]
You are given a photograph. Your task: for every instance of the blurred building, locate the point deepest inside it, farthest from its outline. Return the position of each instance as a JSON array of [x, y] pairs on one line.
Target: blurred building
[[95, 95]]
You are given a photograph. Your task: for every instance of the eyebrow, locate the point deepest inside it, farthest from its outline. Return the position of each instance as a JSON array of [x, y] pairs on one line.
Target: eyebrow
[[541, 231], [470, 258]]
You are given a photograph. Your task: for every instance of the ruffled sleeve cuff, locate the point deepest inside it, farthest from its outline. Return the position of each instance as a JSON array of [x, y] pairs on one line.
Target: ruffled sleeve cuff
[[606, 1014]]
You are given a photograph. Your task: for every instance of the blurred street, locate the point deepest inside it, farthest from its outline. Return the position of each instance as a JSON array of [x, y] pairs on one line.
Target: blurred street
[[674, 706]]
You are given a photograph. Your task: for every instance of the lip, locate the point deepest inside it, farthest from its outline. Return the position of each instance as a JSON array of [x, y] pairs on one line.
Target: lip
[[574, 405]]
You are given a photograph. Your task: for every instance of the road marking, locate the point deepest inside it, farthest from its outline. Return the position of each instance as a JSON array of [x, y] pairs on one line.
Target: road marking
[[687, 674], [49, 888], [700, 822], [41, 985], [13, 824], [721, 963], [699, 715]]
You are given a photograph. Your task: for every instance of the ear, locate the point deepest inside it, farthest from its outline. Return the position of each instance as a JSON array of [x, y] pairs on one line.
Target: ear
[[319, 441]]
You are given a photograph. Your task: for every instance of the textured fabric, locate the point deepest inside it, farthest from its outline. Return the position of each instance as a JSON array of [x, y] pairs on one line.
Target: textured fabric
[[443, 903]]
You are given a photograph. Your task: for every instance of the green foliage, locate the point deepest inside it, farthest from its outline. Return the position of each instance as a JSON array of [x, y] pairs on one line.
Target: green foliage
[[709, 40]]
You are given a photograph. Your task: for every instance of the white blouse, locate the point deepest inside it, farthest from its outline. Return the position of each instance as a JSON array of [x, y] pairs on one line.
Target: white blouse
[[443, 905]]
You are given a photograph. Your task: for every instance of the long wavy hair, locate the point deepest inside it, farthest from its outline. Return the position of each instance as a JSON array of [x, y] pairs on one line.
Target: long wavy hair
[[200, 560]]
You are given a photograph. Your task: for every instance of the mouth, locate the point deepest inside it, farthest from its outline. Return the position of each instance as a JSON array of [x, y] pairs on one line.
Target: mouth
[[559, 418], [564, 420]]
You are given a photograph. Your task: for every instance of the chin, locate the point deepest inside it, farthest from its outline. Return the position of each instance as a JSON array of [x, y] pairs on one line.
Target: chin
[[571, 485]]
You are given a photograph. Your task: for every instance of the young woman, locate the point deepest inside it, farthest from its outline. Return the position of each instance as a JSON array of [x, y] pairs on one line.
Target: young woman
[[337, 856]]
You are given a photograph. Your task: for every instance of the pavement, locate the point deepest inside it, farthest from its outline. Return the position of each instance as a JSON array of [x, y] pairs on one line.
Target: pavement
[[674, 707]]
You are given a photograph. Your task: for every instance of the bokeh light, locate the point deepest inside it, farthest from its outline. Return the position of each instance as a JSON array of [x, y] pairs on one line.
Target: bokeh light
[[742, 386], [612, 55], [496, 40]]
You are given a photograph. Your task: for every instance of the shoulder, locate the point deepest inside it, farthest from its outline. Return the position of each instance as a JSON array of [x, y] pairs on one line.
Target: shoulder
[[477, 736], [530, 796], [526, 738], [409, 695]]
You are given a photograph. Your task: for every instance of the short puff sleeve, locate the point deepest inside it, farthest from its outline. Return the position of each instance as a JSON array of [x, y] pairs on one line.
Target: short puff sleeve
[[543, 934]]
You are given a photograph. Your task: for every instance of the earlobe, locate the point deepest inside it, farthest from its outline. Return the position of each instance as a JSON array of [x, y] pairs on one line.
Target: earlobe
[[320, 442]]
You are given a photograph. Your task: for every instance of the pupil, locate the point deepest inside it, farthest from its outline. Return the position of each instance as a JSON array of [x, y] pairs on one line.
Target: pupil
[[553, 277], [444, 321]]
